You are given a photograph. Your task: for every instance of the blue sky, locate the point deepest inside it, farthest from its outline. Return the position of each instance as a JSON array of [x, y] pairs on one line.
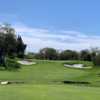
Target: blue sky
[[63, 24]]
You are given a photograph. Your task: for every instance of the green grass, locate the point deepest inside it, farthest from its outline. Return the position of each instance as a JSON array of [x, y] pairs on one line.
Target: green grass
[[44, 81], [48, 92], [43, 72]]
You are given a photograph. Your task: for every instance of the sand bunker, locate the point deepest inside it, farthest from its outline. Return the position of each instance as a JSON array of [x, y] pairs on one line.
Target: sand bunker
[[77, 66], [24, 62], [74, 65]]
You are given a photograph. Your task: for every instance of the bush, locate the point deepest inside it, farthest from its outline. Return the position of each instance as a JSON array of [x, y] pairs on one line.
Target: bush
[[12, 64]]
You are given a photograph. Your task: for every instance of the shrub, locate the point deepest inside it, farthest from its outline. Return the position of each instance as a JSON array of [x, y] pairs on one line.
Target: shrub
[[12, 64]]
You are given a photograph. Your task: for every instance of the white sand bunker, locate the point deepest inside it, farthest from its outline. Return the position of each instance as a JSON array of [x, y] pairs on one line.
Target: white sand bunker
[[25, 62], [76, 66]]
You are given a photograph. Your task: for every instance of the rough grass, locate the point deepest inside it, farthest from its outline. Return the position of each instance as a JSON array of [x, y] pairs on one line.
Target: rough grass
[[44, 81]]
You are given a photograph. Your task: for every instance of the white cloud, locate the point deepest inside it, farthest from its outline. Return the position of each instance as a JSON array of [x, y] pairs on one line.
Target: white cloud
[[37, 38]]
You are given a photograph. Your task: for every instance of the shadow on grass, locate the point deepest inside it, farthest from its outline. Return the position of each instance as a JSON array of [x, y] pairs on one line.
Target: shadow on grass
[[9, 69], [76, 82]]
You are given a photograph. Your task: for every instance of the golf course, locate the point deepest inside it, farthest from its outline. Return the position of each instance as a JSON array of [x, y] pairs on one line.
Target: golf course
[[49, 50], [45, 81]]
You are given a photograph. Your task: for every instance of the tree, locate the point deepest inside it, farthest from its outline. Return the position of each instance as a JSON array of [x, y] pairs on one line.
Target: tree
[[69, 55], [13, 45], [7, 42], [48, 53], [2, 40], [10, 44], [96, 60], [85, 55], [20, 47], [7, 39], [94, 52]]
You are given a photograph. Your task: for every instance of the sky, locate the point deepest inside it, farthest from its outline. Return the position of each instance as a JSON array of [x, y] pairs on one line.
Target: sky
[[61, 24]]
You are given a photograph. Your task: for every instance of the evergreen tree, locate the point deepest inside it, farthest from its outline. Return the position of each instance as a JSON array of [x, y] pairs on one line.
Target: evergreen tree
[[20, 47]]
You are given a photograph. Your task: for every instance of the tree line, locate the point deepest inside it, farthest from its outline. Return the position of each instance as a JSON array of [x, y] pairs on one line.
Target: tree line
[[53, 54]]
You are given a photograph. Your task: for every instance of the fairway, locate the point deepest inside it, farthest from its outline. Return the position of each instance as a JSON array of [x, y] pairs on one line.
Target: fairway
[[48, 92], [44, 81]]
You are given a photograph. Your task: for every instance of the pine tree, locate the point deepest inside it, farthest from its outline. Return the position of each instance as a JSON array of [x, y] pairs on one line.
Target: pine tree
[[20, 47]]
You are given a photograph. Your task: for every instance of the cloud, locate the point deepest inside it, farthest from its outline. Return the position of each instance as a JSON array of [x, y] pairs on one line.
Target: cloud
[[37, 38]]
